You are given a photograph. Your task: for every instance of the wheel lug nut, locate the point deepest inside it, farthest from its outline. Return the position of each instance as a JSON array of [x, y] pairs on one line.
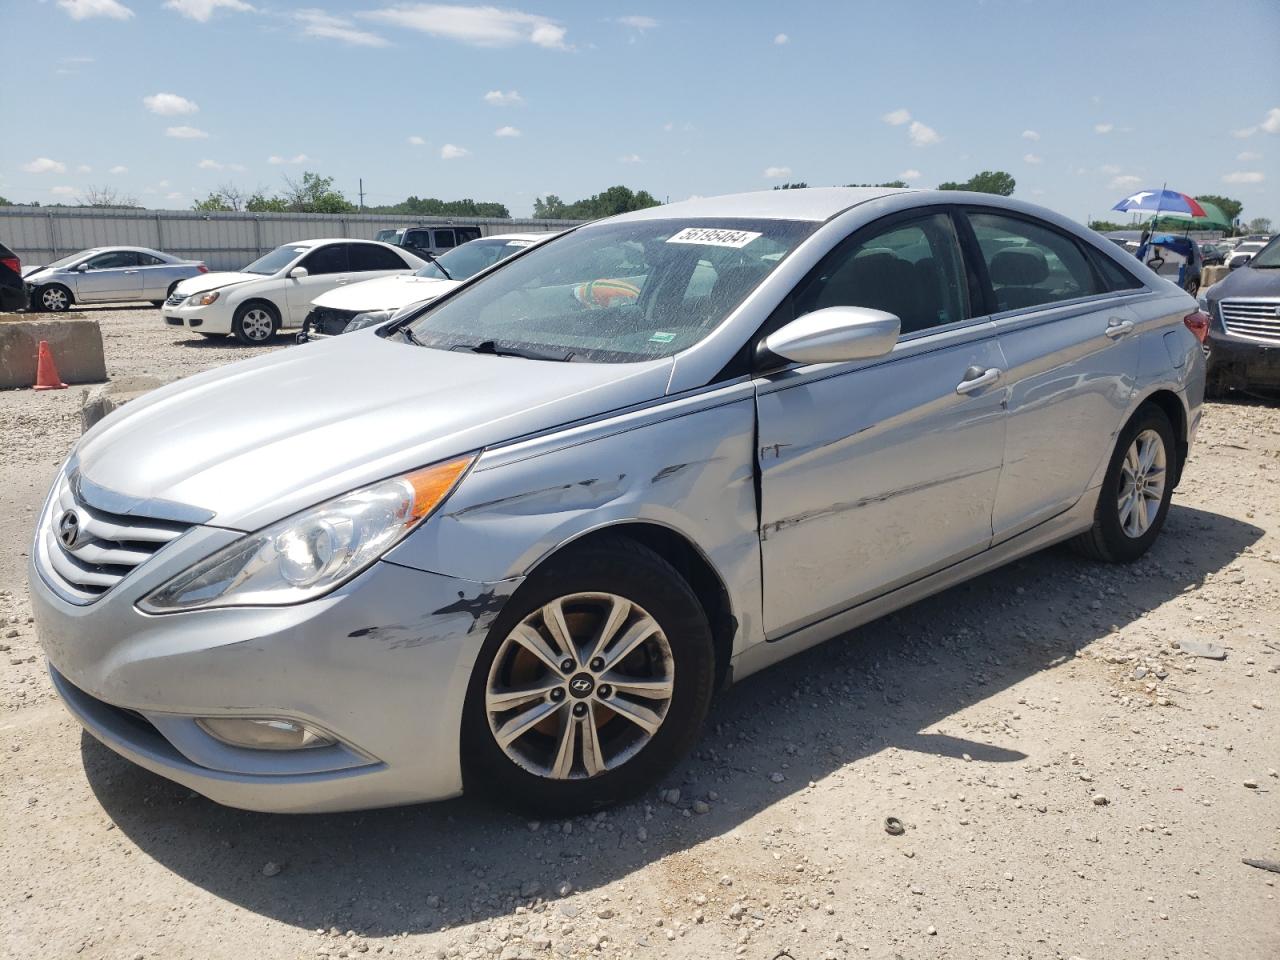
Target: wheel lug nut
[[579, 709], [597, 663], [566, 665], [605, 690], [557, 695]]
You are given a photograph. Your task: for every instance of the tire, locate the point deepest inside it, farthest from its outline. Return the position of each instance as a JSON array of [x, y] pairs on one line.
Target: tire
[[1122, 537], [255, 323], [609, 757], [157, 303], [53, 298]]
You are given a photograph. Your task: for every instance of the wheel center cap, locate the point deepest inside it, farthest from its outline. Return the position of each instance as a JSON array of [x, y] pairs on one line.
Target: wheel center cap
[[581, 685]]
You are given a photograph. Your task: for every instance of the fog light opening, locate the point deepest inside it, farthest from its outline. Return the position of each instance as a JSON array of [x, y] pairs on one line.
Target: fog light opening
[[264, 733]]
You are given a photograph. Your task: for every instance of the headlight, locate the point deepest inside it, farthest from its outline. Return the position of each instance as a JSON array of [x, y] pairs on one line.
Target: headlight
[[1204, 303], [202, 299], [362, 320], [313, 551]]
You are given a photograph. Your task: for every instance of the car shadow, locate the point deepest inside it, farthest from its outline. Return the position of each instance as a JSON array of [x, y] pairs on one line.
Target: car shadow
[[432, 866]]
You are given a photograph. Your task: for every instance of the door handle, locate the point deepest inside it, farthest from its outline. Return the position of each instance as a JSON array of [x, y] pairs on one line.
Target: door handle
[[128, 272], [975, 378], [1117, 328]]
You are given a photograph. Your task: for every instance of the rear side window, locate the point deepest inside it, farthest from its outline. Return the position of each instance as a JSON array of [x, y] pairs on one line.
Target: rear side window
[[1114, 276], [366, 256], [444, 239], [1030, 263], [467, 234], [331, 258]]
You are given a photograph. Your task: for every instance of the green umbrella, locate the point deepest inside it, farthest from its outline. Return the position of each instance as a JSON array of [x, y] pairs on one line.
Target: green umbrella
[[1216, 219]]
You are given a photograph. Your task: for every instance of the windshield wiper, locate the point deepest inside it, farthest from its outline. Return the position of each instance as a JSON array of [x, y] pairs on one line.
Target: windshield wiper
[[491, 347], [436, 263], [407, 332]]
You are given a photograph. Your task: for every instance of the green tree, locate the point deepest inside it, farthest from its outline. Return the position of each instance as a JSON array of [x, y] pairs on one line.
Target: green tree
[[1260, 225], [799, 185], [988, 181], [899, 184], [549, 207], [1228, 206], [607, 203], [227, 198], [260, 203], [314, 194], [1106, 226], [5, 202], [432, 207]]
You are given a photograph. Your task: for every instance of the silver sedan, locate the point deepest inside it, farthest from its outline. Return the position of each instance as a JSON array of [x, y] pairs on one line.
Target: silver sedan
[[514, 540], [108, 274]]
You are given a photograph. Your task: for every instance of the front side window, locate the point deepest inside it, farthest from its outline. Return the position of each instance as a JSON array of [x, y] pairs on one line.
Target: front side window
[[331, 258], [1268, 258], [616, 292], [418, 238], [910, 268], [276, 260], [114, 260], [1029, 263]]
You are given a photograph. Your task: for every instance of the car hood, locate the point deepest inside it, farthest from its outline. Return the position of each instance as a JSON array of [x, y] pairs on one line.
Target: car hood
[[30, 271], [255, 441], [1247, 281], [384, 293], [212, 281]]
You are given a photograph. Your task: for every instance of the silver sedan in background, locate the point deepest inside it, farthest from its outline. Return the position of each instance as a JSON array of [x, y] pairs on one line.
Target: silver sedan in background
[[514, 540], [106, 275]]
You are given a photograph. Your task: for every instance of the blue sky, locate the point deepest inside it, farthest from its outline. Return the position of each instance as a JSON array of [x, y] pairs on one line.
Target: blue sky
[[1083, 101]]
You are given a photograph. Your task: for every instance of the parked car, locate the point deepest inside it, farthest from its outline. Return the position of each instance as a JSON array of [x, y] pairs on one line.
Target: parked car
[[1243, 346], [106, 275], [364, 304], [1212, 254], [1244, 252], [429, 240], [13, 293], [514, 540], [276, 290]]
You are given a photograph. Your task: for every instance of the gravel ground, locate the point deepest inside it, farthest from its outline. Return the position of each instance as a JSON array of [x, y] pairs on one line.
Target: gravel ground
[[1072, 784]]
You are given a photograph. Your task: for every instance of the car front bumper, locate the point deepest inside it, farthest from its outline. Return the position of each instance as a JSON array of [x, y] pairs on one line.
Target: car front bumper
[[382, 665], [1235, 363], [207, 319]]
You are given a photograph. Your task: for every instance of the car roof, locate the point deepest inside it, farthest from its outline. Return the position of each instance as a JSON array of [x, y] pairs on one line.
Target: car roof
[[808, 203], [113, 249]]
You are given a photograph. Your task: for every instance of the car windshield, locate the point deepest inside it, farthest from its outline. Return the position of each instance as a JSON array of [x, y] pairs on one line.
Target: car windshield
[[276, 260], [615, 292], [470, 258], [67, 261], [1268, 258]]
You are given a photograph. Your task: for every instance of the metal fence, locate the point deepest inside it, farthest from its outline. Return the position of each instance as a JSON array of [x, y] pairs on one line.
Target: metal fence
[[225, 241]]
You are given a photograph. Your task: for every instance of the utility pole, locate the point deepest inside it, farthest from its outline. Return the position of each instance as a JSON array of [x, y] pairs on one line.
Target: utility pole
[[362, 194]]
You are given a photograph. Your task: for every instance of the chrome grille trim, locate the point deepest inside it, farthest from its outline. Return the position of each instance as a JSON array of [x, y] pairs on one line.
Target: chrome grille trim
[[1254, 319], [110, 545]]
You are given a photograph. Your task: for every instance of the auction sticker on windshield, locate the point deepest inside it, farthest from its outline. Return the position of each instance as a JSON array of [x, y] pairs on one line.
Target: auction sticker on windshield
[[714, 237]]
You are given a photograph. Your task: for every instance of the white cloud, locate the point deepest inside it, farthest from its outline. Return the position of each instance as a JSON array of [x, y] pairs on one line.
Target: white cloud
[[452, 151], [497, 98], [118, 169], [417, 141], [324, 26], [777, 173], [781, 40], [1243, 176], [478, 26], [638, 23], [1124, 182], [506, 132], [910, 175], [1103, 127], [186, 133], [1244, 133], [170, 104], [630, 158], [1271, 123], [1110, 168], [62, 191], [1249, 156], [85, 9], [1031, 135], [299, 158], [209, 165], [84, 168], [44, 165], [1031, 158], [896, 118], [202, 10], [921, 135], [237, 167]]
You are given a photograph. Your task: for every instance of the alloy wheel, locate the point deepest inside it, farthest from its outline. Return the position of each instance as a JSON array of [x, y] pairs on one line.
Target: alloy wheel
[[54, 299], [579, 686], [256, 324], [1142, 481]]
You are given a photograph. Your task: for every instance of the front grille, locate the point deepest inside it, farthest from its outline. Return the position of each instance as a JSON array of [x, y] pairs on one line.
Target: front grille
[[175, 299], [106, 546], [1255, 319], [330, 322]]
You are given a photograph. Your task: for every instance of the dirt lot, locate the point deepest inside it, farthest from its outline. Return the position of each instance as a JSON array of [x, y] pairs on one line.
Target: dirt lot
[[1072, 784]]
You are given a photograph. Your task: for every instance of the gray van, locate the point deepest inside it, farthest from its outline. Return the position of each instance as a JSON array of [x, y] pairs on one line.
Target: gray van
[[431, 240]]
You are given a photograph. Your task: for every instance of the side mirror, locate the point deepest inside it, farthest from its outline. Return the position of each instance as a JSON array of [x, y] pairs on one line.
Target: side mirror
[[835, 334], [297, 273], [82, 267]]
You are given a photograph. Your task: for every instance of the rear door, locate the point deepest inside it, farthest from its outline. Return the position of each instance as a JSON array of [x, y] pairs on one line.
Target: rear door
[[368, 260], [1071, 346], [879, 472], [110, 276], [156, 275], [328, 266]]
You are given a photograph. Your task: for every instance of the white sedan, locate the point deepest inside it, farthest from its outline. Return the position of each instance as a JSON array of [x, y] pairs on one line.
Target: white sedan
[[276, 290]]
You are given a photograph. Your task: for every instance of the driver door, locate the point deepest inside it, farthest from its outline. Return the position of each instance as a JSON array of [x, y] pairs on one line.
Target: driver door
[[327, 267], [110, 276]]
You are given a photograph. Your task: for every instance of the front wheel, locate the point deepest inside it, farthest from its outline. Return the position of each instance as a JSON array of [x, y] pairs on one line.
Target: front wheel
[[1135, 495], [55, 298], [255, 323], [594, 680]]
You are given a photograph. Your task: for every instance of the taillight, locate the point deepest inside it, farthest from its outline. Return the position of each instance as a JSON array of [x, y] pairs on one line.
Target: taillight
[[1198, 323], [202, 268], [13, 263]]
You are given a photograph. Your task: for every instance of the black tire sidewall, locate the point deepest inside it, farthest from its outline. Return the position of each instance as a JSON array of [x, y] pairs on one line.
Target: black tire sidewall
[[237, 323], [1118, 544], [644, 578]]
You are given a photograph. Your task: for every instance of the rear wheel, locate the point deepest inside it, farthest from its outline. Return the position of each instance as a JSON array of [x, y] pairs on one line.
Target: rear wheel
[[55, 298], [255, 323], [1134, 499], [592, 683]]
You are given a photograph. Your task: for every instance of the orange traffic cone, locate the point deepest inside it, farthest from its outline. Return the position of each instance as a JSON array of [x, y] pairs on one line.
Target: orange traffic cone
[[46, 372]]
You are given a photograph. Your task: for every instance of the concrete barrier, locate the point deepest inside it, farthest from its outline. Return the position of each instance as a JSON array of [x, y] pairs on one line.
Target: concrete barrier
[[1211, 275], [97, 402], [76, 346]]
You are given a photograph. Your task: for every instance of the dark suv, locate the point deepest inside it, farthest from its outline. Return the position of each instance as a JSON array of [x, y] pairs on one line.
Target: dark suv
[[13, 293], [1244, 329], [429, 240]]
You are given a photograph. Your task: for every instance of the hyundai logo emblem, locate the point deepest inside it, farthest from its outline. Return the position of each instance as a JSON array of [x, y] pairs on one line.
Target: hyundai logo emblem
[[581, 685], [69, 528]]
